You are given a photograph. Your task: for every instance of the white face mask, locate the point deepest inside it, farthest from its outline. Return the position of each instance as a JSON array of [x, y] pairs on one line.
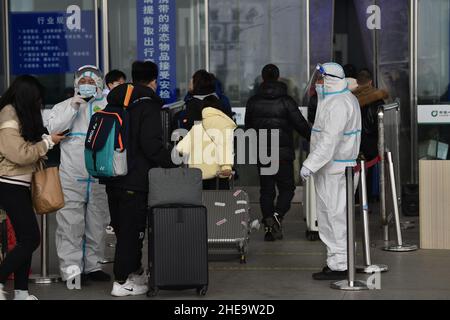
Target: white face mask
[[88, 90]]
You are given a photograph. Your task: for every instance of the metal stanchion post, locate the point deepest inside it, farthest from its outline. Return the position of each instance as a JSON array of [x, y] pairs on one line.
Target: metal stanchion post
[[44, 277], [381, 152], [108, 244], [400, 247], [368, 267], [351, 284]]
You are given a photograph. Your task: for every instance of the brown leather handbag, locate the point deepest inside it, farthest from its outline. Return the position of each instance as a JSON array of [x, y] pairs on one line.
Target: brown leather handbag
[[46, 190]]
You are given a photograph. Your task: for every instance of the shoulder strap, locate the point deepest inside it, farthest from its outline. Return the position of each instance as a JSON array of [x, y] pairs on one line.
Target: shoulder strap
[[128, 95]]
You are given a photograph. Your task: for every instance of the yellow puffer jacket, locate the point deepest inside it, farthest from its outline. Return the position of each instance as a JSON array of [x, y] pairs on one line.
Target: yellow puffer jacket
[[209, 145]]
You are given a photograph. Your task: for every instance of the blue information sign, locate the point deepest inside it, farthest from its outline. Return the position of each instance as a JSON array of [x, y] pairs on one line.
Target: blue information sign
[[52, 42], [156, 25]]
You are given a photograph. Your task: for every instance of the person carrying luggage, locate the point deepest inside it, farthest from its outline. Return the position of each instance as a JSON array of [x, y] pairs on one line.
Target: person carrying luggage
[[273, 109], [127, 195]]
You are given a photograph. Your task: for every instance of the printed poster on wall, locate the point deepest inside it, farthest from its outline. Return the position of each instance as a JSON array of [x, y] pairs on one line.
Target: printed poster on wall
[[52, 42]]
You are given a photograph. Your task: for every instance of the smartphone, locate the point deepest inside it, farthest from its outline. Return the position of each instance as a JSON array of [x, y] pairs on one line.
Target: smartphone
[[65, 133]]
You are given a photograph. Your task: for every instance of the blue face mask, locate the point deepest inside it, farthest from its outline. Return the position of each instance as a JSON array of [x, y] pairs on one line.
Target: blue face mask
[[320, 89], [88, 90]]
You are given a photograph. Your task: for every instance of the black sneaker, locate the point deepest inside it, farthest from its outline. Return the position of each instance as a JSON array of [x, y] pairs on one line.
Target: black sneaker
[[329, 275], [99, 276], [278, 227]]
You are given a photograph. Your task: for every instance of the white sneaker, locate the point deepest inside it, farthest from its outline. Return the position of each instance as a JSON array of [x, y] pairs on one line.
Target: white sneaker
[[22, 295], [141, 280], [129, 288]]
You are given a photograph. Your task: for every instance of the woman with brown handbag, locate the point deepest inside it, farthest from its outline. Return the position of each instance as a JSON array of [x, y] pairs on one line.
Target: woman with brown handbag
[[22, 145]]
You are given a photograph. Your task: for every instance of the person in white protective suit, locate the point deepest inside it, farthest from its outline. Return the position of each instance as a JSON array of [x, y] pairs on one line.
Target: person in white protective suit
[[335, 145], [82, 222]]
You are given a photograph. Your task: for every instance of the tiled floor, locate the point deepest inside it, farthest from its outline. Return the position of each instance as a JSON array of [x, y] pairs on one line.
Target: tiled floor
[[282, 270]]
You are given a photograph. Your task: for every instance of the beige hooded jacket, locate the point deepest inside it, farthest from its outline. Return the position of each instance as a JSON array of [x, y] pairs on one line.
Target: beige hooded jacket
[[17, 156], [209, 145]]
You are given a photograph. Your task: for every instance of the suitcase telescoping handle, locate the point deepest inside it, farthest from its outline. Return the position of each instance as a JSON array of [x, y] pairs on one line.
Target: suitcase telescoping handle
[[233, 173]]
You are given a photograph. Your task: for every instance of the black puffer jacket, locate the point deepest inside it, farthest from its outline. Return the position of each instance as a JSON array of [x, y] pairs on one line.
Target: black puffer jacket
[[145, 146], [271, 108]]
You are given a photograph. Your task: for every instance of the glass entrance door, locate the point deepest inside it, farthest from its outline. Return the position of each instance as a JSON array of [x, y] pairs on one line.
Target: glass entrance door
[[246, 35]]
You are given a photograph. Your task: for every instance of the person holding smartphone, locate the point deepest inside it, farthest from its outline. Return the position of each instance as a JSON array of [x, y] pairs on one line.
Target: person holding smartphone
[[82, 222], [23, 143]]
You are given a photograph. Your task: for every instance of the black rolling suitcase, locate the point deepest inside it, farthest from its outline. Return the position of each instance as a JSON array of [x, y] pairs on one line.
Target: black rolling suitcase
[[178, 249], [178, 232]]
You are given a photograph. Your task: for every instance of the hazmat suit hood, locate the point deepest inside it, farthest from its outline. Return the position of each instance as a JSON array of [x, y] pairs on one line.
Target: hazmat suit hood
[[334, 82], [334, 79], [92, 72]]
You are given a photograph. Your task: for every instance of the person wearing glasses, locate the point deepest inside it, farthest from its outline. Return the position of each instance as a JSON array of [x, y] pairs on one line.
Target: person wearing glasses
[[335, 145]]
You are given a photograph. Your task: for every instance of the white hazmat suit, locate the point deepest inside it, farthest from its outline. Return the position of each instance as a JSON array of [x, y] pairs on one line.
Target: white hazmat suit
[[82, 222], [335, 145]]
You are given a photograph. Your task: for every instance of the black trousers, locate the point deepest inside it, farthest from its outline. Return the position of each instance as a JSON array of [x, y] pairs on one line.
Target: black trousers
[[285, 182], [128, 211], [16, 201]]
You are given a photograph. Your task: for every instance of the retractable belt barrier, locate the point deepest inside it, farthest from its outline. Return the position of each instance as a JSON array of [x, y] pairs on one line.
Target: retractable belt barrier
[[351, 284], [367, 165]]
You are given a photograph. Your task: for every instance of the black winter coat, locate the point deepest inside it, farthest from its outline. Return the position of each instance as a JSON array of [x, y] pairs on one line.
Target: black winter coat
[[271, 108], [145, 146], [369, 136]]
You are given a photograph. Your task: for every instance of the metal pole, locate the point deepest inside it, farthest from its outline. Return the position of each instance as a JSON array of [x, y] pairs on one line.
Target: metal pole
[[375, 54], [105, 37], [207, 56], [368, 267], [97, 34], [351, 284], [308, 40], [400, 247], [7, 43], [381, 153], [44, 277], [365, 214], [108, 244], [413, 84]]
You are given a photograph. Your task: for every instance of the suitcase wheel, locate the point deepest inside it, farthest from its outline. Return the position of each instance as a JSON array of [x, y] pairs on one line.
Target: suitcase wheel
[[312, 235], [152, 292], [202, 291]]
